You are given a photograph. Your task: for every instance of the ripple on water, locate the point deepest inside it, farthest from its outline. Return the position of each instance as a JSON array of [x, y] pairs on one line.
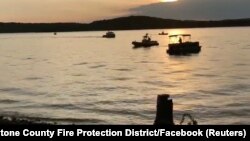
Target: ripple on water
[[114, 88], [119, 112], [158, 83], [246, 48], [127, 101], [230, 113], [217, 92], [143, 62], [33, 78], [212, 47], [97, 66], [205, 75], [78, 74], [9, 89], [19, 91], [67, 106], [178, 71], [149, 62], [238, 87], [121, 78], [125, 70], [8, 101], [241, 64], [80, 64], [214, 60], [28, 58]]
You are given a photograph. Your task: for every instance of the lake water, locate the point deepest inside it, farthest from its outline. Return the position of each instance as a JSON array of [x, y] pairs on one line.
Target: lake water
[[81, 78]]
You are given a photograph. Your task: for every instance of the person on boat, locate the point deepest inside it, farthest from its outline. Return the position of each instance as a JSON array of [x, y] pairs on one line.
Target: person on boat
[[180, 40], [146, 37]]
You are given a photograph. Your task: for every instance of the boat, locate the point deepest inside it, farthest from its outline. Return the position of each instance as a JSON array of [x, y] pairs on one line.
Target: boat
[[163, 33], [181, 44], [109, 34], [146, 42]]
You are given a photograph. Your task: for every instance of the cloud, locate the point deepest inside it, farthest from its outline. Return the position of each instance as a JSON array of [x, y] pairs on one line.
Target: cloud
[[197, 9], [62, 10]]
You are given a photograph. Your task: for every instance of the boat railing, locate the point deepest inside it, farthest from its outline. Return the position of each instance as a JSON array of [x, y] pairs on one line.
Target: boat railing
[[179, 38]]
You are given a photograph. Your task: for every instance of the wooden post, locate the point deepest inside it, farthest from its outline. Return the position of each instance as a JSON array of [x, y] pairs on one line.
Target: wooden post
[[164, 114]]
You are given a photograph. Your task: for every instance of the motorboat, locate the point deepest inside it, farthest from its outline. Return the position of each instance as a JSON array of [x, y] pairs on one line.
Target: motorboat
[[109, 34], [181, 44], [163, 33], [146, 42]]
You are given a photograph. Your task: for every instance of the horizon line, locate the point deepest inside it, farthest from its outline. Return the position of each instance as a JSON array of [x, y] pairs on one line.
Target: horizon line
[[121, 17]]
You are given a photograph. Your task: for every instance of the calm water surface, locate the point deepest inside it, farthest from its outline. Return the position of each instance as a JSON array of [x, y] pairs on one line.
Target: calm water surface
[[81, 78]]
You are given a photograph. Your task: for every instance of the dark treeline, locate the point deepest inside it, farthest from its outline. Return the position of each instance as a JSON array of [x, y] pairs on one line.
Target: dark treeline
[[123, 23]]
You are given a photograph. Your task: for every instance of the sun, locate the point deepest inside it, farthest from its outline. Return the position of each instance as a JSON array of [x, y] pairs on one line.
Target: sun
[[168, 0]]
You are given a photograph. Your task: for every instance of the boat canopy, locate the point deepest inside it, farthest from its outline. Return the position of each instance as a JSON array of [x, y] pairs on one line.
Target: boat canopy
[[177, 38], [183, 35]]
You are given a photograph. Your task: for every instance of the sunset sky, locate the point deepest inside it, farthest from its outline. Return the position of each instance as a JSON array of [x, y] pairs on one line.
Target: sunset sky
[[90, 10], [65, 10]]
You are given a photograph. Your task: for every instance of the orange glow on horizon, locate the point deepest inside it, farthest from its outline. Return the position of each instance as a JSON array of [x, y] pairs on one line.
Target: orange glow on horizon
[[168, 0]]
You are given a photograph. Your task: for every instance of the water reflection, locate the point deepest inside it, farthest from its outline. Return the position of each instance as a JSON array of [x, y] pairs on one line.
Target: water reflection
[[108, 82]]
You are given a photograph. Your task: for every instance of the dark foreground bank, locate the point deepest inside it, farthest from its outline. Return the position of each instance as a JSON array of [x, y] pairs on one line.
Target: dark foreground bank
[[20, 121]]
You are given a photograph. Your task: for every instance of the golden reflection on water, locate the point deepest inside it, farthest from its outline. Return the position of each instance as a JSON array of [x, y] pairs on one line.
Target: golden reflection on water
[[176, 31], [183, 74]]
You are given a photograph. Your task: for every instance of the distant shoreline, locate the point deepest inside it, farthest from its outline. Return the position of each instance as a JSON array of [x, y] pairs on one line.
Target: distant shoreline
[[123, 23]]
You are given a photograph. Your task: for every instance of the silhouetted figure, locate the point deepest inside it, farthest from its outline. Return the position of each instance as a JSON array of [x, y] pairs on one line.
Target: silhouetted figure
[[146, 37], [180, 40]]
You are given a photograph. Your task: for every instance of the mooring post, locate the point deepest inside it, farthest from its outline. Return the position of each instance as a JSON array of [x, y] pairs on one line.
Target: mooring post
[[164, 113]]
